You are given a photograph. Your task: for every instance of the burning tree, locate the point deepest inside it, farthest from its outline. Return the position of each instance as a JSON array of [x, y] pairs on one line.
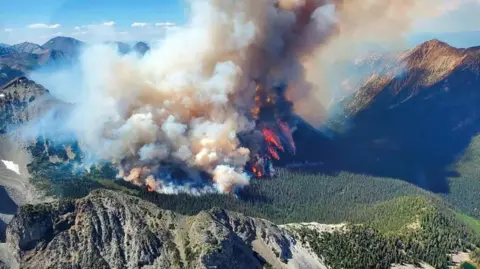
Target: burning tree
[[273, 117]]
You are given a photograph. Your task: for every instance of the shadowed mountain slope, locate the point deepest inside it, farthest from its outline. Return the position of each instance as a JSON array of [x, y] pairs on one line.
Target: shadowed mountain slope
[[414, 124]]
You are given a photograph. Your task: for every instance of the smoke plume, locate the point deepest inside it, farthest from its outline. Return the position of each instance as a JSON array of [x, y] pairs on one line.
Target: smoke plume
[[183, 105]]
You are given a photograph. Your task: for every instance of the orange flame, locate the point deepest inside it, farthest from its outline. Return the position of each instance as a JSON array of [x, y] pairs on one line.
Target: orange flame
[[272, 138], [273, 153], [149, 189], [286, 131], [257, 172]]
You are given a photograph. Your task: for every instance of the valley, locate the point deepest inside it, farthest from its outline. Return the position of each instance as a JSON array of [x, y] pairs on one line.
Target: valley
[[407, 191]]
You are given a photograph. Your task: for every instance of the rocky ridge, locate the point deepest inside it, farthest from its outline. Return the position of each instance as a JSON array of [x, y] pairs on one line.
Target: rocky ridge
[[107, 229], [22, 100]]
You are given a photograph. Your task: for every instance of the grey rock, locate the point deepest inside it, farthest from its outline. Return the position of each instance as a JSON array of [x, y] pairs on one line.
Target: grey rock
[[22, 100], [27, 47], [108, 229], [3, 265]]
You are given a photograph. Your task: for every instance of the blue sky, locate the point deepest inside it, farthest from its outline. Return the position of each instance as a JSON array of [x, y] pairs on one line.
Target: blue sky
[[35, 21], [129, 20]]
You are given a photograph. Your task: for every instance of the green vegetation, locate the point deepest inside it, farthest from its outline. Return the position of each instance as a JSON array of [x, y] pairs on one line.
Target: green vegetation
[[465, 188], [437, 235], [400, 223], [467, 265], [290, 197], [401, 214], [359, 247], [475, 256], [473, 223]]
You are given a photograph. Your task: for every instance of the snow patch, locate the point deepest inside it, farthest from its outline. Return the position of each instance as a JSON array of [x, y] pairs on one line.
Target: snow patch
[[12, 166]]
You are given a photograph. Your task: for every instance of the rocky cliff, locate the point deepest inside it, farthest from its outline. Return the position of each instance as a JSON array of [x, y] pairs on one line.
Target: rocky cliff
[[107, 229], [22, 100]]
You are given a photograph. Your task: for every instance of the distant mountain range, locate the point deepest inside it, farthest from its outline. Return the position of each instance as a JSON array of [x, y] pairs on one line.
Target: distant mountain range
[[27, 47], [19, 59]]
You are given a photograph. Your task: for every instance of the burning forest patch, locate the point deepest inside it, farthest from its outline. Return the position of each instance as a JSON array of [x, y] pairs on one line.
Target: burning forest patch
[[206, 110]]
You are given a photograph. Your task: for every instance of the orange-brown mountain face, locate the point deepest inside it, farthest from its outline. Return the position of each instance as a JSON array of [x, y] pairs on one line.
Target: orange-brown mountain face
[[420, 68], [413, 119]]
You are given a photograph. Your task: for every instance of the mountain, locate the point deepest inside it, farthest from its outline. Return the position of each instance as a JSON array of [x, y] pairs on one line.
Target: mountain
[[399, 166], [111, 230], [27, 47], [67, 45], [413, 122], [18, 60], [22, 100], [5, 50], [141, 48], [123, 48]]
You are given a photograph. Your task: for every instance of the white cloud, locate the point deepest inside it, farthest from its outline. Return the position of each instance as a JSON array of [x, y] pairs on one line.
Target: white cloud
[[453, 16], [139, 24], [51, 35], [8, 30], [43, 26], [79, 33], [88, 26], [165, 24], [109, 23]]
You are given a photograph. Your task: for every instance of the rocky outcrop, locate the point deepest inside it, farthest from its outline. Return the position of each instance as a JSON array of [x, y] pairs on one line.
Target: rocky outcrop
[[22, 100], [27, 47], [3, 265], [107, 229]]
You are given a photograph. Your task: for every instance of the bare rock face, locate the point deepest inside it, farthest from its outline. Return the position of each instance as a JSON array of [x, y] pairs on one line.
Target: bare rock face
[[107, 229], [22, 100], [3, 265]]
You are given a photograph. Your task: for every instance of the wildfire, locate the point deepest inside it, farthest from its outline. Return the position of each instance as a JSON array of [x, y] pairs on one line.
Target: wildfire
[[257, 172], [272, 139], [273, 143], [272, 113], [273, 153], [149, 189], [288, 134]]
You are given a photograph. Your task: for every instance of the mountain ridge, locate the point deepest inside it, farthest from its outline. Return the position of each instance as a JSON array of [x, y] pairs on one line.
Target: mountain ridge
[[22, 58], [27, 47], [107, 229]]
